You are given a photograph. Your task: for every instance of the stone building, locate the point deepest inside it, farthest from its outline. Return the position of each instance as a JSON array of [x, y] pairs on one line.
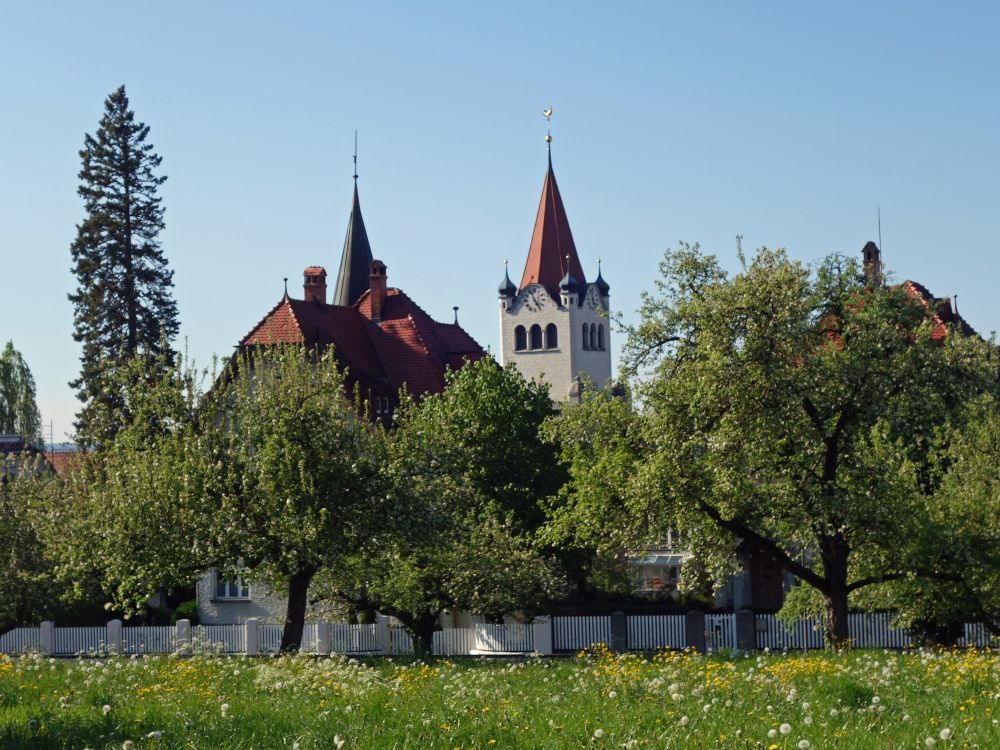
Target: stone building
[[554, 324]]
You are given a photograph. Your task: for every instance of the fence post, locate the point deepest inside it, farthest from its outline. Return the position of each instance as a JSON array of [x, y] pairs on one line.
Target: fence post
[[541, 635], [382, 635], [619, 632], [746, 630], [114, 640], [694, 630], [323, 638], [184, 636], [47, 637], [251, 636]]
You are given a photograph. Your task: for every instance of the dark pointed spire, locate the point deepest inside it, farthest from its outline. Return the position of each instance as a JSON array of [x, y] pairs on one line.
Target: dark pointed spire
[[352, 278], [506, 288], [602, 286]]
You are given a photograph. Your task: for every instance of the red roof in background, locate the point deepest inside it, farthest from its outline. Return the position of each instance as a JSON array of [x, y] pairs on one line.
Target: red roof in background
[[551, 242], [408, 349], [944, 317], [64, 463]]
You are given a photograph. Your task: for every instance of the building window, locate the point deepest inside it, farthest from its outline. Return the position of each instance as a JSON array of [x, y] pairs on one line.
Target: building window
[[226, 588], [586, 336], [536, 336], [551, 336], [593, 336], [520, 339], [381, 406], [600, 337]]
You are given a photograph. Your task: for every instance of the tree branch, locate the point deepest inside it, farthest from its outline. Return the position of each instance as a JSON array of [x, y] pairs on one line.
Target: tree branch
[[765, 546]]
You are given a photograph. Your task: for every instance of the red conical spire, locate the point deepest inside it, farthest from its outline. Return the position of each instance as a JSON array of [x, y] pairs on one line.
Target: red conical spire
[[551, 242]]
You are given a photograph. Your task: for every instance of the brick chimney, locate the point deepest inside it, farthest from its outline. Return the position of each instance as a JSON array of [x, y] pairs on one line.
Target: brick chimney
[[377, 284], [314, 284]]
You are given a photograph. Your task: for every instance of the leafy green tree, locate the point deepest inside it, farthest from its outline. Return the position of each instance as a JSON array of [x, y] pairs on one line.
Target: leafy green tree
[[961, 542], [18, 410], [789, 412], [137, 515], [470, 475], [300, 472], [123, 304], [27, 589]]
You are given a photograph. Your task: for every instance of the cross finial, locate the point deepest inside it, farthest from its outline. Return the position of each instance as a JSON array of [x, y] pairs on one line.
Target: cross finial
[[547, 114], [355, 154]]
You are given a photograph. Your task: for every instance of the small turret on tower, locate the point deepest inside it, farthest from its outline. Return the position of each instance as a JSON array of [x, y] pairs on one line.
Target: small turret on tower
[[872, 259]]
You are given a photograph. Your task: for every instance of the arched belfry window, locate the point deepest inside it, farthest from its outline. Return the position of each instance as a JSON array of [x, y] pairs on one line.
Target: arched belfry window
[[600, 337], [586, 336], [520, 339], [593, 336], [536, 336], [551, 336]]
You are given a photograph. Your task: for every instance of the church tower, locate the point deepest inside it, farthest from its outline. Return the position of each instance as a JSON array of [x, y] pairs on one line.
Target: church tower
[[554, 324]]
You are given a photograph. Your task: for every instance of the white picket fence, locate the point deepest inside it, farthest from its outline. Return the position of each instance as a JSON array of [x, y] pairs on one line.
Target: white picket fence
[[650, 632], [450, 642], [149, 639], [21, 641], [774, 634], [976, 634], [872, 630], [720, 632], [514, 638], [223, 639], [70, 641], [559, 634], [576, 633]]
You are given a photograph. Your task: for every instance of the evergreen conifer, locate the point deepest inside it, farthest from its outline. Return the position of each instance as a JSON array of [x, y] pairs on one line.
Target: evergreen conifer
[[123, 304]]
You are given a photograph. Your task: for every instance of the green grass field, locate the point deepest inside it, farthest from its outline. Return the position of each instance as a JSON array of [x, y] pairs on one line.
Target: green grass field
[[861, 699]]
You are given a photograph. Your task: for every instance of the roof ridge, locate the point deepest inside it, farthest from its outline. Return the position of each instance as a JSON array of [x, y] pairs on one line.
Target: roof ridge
[[285, 300]]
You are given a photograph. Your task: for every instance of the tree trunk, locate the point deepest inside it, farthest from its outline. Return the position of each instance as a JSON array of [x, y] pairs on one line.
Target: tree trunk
[[295, 613], [834, 553], [421, 629]]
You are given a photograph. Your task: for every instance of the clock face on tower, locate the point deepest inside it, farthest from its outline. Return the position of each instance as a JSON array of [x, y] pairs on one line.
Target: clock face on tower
[[536, 298]]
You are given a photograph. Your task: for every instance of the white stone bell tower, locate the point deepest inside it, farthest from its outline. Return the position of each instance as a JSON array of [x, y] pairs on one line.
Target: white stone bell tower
[[554, 326]]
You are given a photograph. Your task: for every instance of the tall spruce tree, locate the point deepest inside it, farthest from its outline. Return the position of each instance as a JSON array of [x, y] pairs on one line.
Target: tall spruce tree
[[18, 410], [123, 303]]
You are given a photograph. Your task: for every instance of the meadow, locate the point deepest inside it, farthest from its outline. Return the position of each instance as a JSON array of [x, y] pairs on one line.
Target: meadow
[[855, 700]]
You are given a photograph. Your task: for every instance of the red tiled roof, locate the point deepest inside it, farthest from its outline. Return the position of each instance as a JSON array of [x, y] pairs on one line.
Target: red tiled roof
[[64, 462], [408, 349], [313, 270], [551, 242], [943, 316]]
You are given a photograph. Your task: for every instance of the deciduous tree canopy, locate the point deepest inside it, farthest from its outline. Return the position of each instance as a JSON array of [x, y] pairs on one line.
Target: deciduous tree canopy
[[786, 411]]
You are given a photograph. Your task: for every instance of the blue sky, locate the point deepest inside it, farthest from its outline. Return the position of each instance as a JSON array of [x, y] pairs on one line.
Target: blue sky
[[787, 123]]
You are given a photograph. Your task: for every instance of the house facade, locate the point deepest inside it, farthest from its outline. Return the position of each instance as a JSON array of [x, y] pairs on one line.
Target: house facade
[[385, 342]]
